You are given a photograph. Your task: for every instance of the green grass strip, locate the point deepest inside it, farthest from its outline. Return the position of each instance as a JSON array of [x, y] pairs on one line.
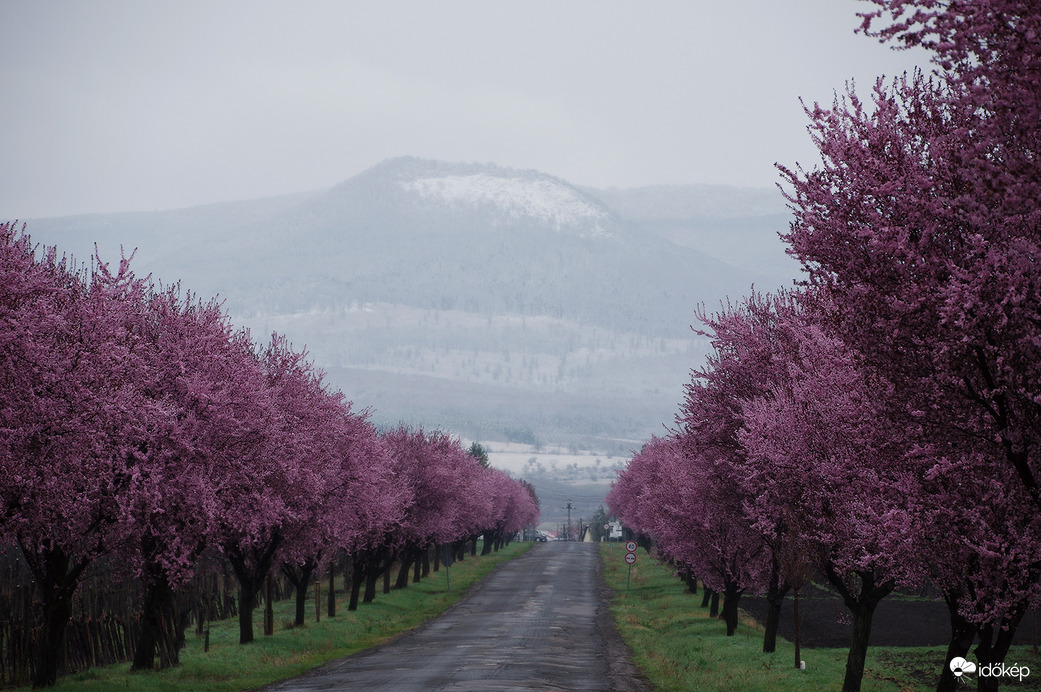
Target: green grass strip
[[293, 651], [677, 646]]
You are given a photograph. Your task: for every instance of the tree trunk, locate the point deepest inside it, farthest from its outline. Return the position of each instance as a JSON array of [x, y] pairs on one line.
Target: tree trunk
[[862, 616], [732, 595], [202, 600], [963, 633], [165, 614], [370, 586], [706, 597], [993, 646], [713, 605], [159, 620], [57, 578], [862, 605], [52, 642], [300, 577], [247, 602], [331, 610], [269, 607], [151, 617], [251, 571], [403, 569], [691, 581], [774, 598], [356, 580]]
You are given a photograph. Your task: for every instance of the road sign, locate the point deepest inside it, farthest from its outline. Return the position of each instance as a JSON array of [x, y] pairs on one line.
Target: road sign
[[630, 557]]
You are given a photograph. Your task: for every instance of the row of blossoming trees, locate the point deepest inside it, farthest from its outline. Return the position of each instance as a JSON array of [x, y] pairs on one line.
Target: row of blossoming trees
[[138, 427], [879, 426]]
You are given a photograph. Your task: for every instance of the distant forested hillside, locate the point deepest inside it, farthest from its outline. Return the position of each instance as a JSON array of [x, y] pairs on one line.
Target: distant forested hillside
[[470, 295]]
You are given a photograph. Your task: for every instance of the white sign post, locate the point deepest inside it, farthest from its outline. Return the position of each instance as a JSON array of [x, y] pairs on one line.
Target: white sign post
[[630, 557]]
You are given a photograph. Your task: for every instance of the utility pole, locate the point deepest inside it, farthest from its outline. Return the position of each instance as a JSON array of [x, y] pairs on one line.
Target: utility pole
[[570, 537]]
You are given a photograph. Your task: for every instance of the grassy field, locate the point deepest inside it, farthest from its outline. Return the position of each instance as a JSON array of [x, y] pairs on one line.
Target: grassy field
[[678, 647], [292, 651]]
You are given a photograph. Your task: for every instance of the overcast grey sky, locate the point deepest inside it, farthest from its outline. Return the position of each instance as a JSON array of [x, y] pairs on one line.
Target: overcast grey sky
[[138, 105]]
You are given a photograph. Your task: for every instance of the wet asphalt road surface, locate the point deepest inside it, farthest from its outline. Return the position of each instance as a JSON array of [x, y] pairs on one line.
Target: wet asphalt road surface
[[539, 622]]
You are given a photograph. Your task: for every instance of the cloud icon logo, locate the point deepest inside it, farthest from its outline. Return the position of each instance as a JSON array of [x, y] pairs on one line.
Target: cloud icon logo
[[959, 666]]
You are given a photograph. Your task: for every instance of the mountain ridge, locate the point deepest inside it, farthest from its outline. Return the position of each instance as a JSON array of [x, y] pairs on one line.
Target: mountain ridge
[[448, 257]]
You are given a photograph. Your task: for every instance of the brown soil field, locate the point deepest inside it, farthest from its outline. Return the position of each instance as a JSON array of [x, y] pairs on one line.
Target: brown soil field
[[900, 620]]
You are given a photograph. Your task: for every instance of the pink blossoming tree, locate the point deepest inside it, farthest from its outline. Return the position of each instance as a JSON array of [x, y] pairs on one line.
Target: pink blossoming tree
[[285, 481], [511, 508], [213, 423], [824, 442], [354, 494], [922, 221], [685, 504], [921, 224], [72, 418], [443, 478], [746, 362]]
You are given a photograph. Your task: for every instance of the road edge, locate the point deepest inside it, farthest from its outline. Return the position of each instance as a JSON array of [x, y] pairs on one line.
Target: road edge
[[623, 673]]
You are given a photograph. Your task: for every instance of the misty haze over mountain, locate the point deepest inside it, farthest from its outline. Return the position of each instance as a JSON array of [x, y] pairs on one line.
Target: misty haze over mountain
[[493, 302]]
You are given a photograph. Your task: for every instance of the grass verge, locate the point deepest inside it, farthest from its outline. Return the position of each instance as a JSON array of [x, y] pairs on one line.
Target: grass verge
[[293, 651], [677, 646]]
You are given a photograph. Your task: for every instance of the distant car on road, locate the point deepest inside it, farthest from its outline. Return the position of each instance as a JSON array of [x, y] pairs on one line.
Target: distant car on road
[[541, 537]]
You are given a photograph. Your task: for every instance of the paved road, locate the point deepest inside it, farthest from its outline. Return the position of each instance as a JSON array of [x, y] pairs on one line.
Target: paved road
[[539, 622]]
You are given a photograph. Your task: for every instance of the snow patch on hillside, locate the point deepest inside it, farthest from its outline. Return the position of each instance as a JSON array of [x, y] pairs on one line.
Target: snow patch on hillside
[[546, 200]]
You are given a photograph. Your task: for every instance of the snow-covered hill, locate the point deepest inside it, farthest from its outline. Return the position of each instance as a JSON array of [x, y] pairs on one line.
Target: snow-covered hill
[[468, 295], [543, 199]]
